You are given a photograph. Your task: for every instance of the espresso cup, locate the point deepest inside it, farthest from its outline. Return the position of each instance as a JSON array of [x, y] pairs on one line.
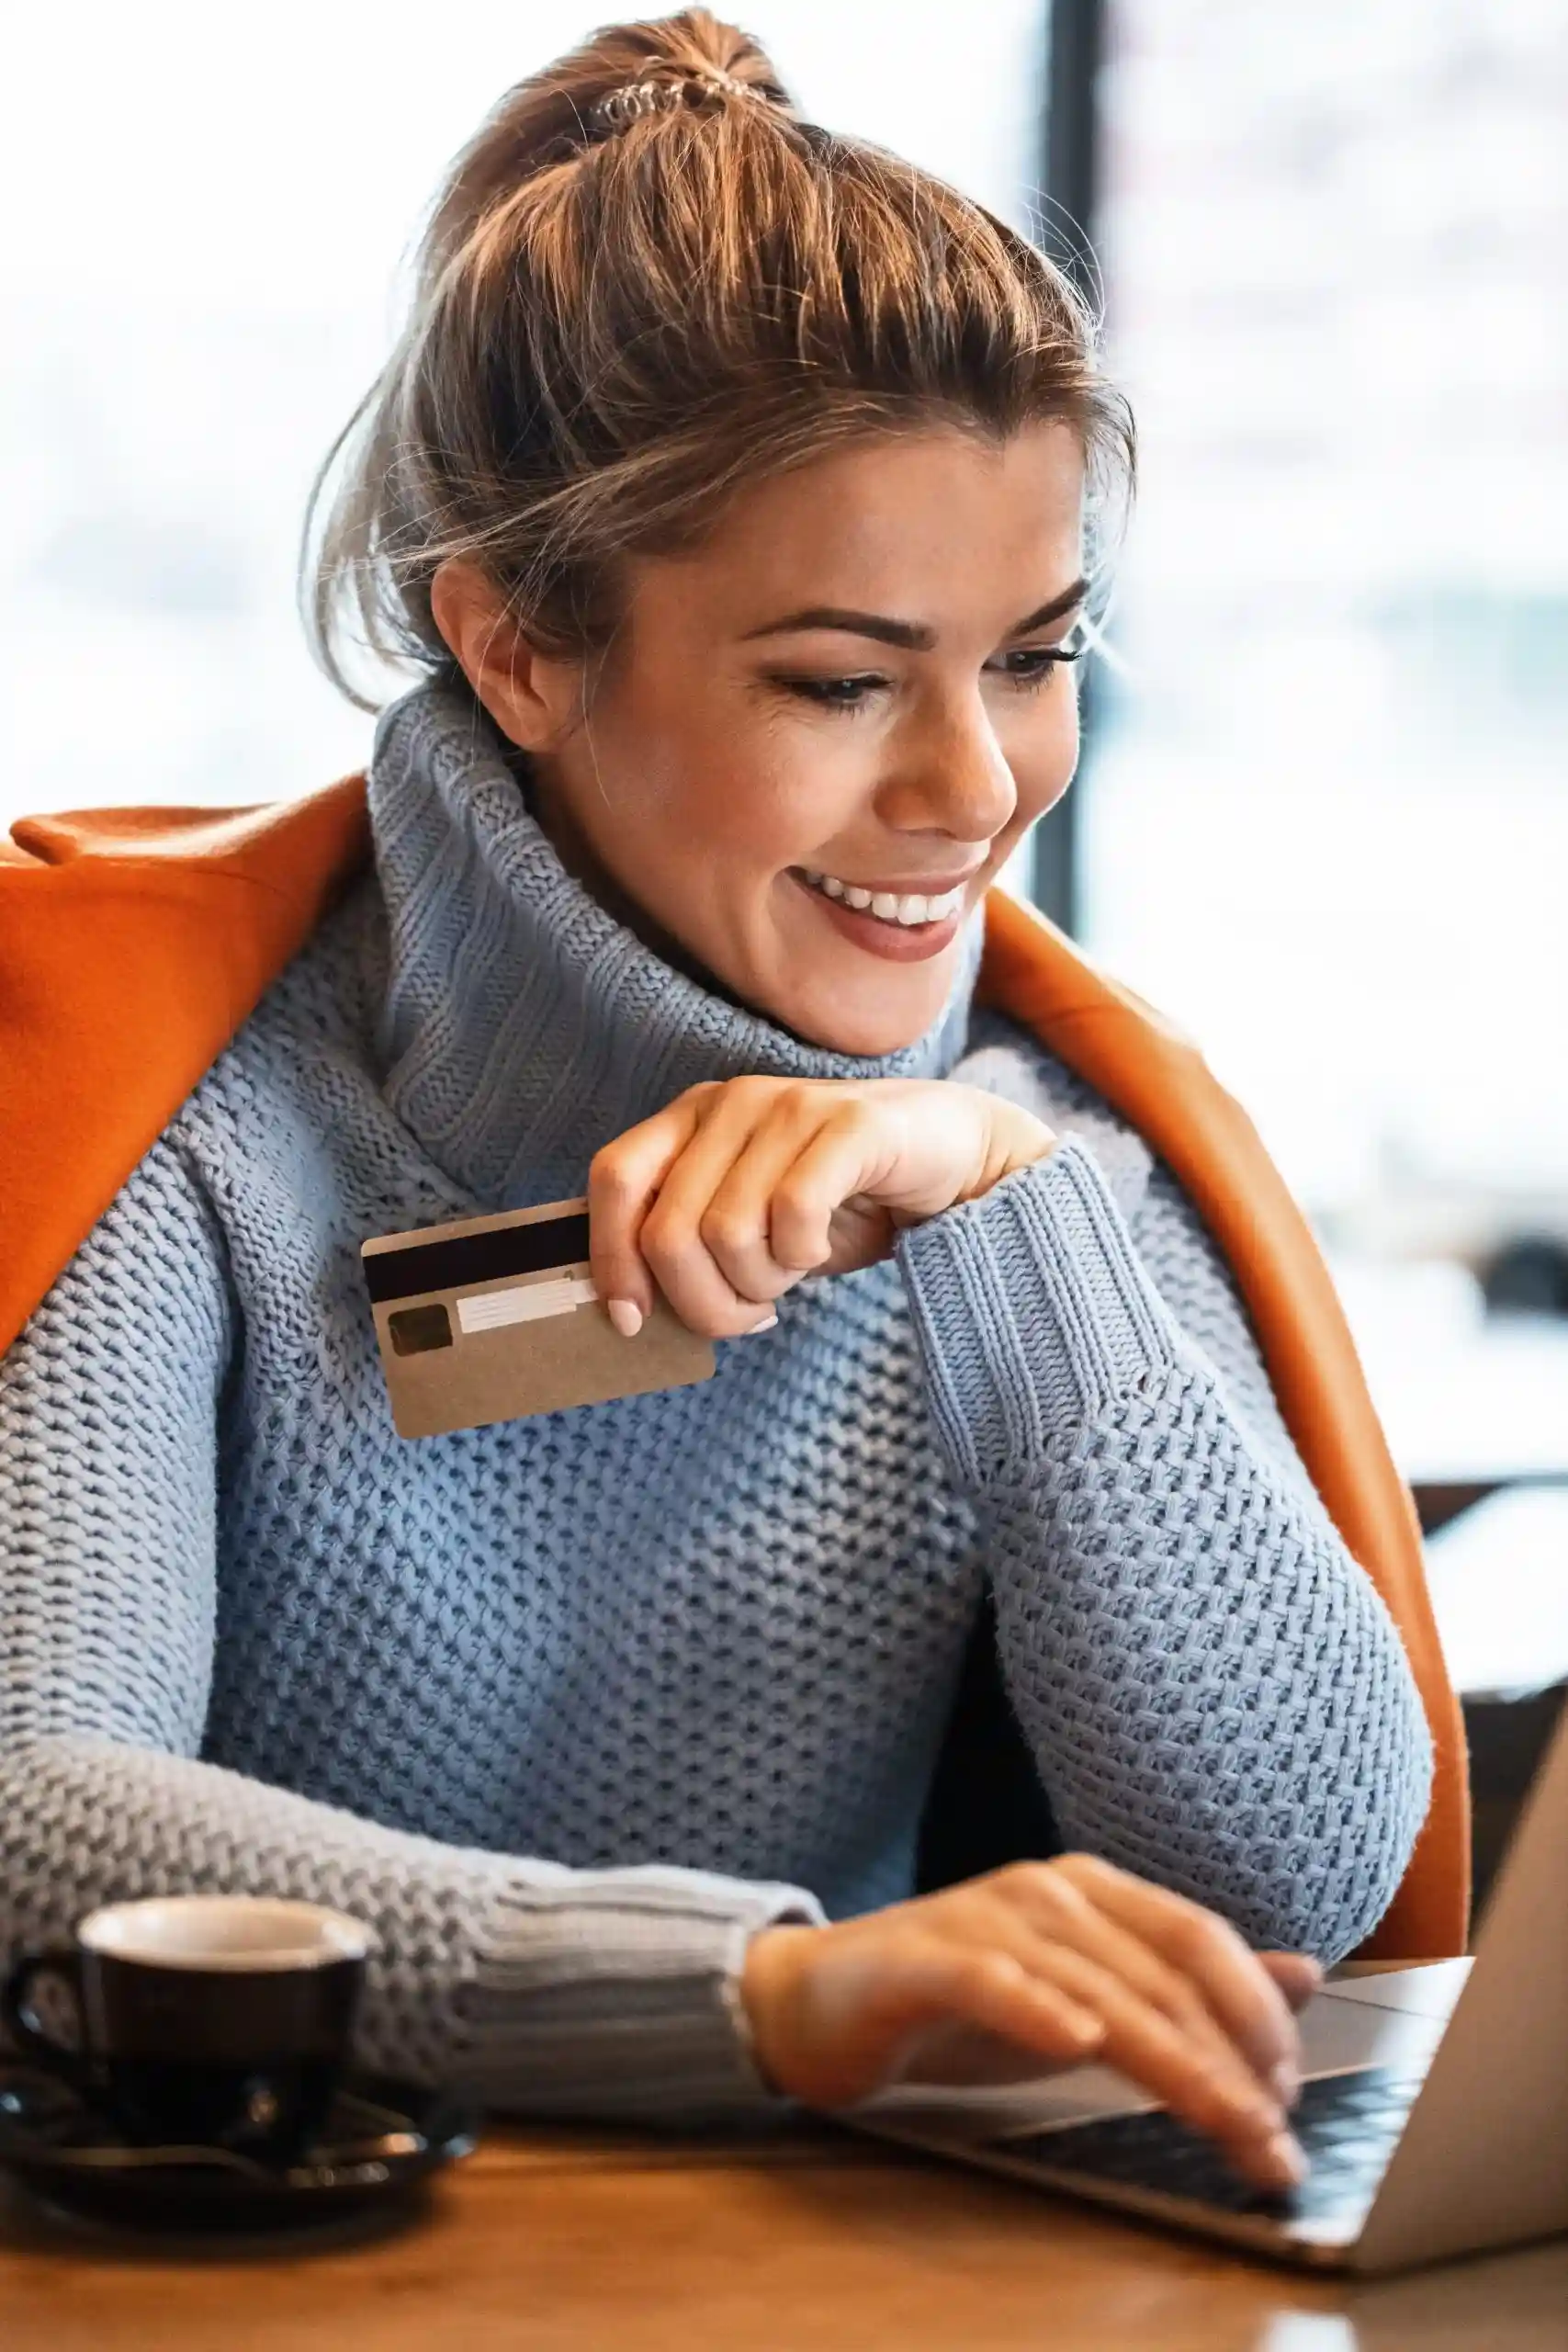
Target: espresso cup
[[219, 2019]]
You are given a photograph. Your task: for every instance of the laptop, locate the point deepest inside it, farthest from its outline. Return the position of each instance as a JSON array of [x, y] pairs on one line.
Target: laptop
[[1433, 2114]]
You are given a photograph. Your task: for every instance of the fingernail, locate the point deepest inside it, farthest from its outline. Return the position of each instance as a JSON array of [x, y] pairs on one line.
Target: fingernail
[[766, 1324], [1285, 2082], [1284, 2160], [625, 1315]]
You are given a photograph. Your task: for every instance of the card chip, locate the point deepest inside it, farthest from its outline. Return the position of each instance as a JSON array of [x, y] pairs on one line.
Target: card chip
[[489, 1318], [414, 1331]]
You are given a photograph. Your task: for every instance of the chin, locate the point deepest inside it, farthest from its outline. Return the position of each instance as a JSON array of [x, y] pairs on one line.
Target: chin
[[869, 1032]]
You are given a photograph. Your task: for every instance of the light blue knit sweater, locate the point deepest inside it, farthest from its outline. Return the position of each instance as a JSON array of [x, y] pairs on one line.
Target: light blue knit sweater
[[567, 1708]]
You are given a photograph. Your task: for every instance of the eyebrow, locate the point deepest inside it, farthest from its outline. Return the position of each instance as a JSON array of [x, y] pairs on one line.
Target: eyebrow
[[912, 637]]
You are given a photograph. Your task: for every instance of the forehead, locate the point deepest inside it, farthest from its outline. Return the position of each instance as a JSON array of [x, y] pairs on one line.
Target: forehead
[[916, 524]]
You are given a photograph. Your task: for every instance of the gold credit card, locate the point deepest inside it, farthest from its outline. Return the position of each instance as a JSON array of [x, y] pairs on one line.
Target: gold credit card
[[497, 1317]]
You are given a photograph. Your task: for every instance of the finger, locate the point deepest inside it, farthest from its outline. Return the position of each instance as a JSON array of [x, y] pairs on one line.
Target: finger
[[623, 1182], [1062, 1913], [966, 2056], [737, 1226], [671, 1239], [1296, 1973], [1240, 1991], [849, 1152], [1187, 2062], [1141, 2042], [673, 1231], [867, 2013], [990, 1992]]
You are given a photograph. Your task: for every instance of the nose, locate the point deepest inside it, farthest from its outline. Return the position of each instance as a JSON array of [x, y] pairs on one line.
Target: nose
[[948, 776]]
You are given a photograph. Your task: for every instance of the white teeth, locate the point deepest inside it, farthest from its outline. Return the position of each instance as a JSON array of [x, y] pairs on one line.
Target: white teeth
[[909, 908]]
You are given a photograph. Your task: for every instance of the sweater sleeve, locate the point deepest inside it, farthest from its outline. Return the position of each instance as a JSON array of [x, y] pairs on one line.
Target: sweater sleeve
[[538, 1988], [1215, 1694]]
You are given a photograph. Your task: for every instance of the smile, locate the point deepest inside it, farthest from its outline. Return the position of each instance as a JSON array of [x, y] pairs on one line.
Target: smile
[[908, 909]]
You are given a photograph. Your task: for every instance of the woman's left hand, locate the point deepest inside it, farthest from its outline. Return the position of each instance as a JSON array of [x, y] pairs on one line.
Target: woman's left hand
[[738, 1189]]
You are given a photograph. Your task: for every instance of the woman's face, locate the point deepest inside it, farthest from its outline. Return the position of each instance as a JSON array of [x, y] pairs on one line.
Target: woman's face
[[849, 704]]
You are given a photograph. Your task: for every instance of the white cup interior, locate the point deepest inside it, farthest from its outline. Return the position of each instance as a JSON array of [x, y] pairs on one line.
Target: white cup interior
[[239, 1933]]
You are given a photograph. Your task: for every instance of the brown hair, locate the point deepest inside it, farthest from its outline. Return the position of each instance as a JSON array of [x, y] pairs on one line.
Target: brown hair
[[646, 283]]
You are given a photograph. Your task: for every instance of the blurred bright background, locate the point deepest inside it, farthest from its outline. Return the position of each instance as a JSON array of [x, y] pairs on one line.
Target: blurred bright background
[[215, 208], [1327, 818], [1324, 815]]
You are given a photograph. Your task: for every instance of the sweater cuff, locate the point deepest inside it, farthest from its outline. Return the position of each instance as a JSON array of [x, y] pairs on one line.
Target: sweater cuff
[[1033, 1311], [618, 1997]]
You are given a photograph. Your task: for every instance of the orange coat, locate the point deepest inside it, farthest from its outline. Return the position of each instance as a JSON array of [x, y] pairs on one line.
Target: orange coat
[[135, 942]]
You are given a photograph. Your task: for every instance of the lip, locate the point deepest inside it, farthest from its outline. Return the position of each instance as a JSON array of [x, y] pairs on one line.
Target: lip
[[929, 886], [892, 942]]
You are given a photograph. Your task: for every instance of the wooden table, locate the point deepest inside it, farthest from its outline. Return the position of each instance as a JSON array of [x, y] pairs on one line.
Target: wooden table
[[808, 2239]]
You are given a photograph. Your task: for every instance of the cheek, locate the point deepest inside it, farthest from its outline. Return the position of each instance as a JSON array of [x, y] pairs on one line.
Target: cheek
[[711, 780], [706, 849], [1042, 750], [772, 795], [692, 798]]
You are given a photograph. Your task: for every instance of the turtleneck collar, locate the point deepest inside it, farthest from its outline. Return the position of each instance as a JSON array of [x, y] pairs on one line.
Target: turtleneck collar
[[523, 1027]]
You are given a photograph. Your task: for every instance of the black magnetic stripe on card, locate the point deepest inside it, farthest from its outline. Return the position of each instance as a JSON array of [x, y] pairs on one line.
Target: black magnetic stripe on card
[[545, 1245]]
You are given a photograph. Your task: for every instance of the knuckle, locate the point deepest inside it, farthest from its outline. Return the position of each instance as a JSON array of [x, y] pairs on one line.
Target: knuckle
[[855, 1117], [795, 1203], [790, 1196], [610, 1177], [724, 1232], [794, 1108], [979, 1976], [1185, 2010], [797, 1190], [754, 1092], [662, 1239], [1038, 1884], [1085, 1871], [1199, 1940]]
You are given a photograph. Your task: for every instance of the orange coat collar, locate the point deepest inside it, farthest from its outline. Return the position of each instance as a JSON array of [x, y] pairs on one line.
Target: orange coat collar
[[134, 943]]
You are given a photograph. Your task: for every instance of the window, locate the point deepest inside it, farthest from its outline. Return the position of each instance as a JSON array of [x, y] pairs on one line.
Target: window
[[1327, 823], [215, 206]]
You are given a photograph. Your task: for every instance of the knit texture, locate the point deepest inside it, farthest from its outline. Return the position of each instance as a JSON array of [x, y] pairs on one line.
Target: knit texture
[[567, 1708]]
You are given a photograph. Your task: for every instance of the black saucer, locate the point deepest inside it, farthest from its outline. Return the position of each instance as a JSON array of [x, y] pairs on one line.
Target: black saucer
[[380, 2142]]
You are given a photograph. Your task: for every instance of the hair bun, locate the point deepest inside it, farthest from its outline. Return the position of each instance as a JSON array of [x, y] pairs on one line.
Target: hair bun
[[609, 337]]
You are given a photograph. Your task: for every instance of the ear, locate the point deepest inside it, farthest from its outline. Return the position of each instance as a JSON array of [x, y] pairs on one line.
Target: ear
[[533, 697]]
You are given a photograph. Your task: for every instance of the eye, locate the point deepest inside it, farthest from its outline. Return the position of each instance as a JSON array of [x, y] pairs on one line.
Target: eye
[[1029, 666], [834, 693]]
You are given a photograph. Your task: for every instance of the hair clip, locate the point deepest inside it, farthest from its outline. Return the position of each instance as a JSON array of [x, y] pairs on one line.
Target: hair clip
[[715, 78], [618, 107]]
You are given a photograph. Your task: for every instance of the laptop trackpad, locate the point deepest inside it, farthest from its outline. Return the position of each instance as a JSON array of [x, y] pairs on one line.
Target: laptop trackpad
[[1338, 2030]]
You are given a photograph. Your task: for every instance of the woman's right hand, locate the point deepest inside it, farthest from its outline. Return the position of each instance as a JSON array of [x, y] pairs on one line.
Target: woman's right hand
[[1043, 1965]]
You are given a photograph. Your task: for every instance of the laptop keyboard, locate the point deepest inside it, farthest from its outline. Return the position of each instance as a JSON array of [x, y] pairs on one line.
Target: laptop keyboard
[[1347, 2124]]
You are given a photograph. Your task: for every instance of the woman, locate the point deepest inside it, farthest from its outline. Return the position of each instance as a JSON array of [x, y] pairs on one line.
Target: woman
[[730, 485]]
